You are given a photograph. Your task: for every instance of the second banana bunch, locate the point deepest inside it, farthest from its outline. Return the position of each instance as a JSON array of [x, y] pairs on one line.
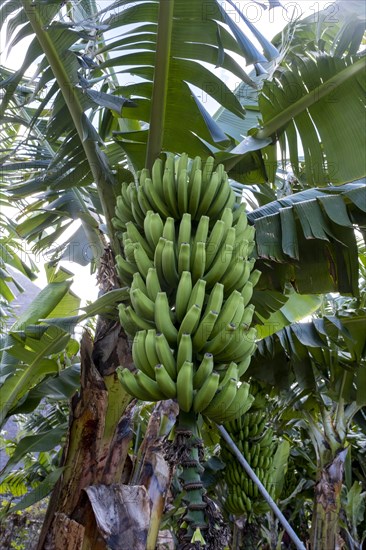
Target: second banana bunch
[[186, 261]]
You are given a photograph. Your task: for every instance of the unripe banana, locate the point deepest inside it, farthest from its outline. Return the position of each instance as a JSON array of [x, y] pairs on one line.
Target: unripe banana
[[152, 284], [227, 312], [157, 173], [136, 237], [202, 229], [183, 294], [207, 170], [153, 228], [143, 306], [165, 382], [225, 198], [150, 348], [241, 403], [182, 179], [170, 191], [238, 349], [206, 392], [143, 201], [215, 299], [198, 260], [138, 283], [214, 242], [131, 386], [184, 258], [158, 261], [139, 356], [169, 229], [185, 386], [165, 355], [255, 276], [124, 269], [155, 199], [220, 265], [190, 321], [247, 315], [169, 265], [243, 366], [195, 187], [141, 324], [227, 217], [231, 372], [142, 260], [198, 294], [204, 330], [150, 386], [163, 320], [185, 229], [185, 350], [126, 321], [208, 194], [222, 401], [204, 370]]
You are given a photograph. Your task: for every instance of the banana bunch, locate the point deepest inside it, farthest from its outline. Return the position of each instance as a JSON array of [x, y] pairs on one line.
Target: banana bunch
[[186, 248], [255, 441], [172, 191]]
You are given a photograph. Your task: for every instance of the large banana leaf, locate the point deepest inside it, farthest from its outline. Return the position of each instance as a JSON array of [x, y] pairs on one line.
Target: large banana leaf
[[311, 104], [327, 354], [104, 62], [308, 239]]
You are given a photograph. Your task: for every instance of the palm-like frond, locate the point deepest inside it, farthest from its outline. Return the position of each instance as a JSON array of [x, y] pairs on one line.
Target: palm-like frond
[[308, 239], [326, 355]]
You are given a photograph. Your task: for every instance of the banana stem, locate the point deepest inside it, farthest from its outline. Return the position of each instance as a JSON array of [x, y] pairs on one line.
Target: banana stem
[[187, 439], [234, 449]]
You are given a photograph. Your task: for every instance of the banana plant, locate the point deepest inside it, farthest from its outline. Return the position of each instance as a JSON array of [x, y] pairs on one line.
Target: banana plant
[[325, 361], [101, 130]]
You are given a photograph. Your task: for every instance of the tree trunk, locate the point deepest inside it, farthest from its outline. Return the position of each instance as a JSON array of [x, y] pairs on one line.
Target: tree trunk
[[96, 450], [327, 503]]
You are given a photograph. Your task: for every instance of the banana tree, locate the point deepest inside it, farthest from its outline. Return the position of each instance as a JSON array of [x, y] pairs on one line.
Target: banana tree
[[85, 67]]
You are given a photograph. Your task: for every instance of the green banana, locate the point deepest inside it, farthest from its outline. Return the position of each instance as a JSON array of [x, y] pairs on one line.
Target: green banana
[[227, 312], [198, 294], [142, 260], [158, 261], [206, 392], [184, 258], [136, 237], [198, 260], [169, 229], [165, 382], [208, 194], [215, 299], [204, 370], [138, 283], [153, 228], [169, 264], [169, 190], [195, 187], [184, 291], [222, 401], [150, 348], [139, 356], [150, 386], [143, 306], [185, 386], [155, 199], [185, 350], [207, 170], [129, 382], [165, 355], [190, 321], [225, 198], [152, 283], [204, 330], [185, 229], [163, 320], [182, 191], [214, 242]]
